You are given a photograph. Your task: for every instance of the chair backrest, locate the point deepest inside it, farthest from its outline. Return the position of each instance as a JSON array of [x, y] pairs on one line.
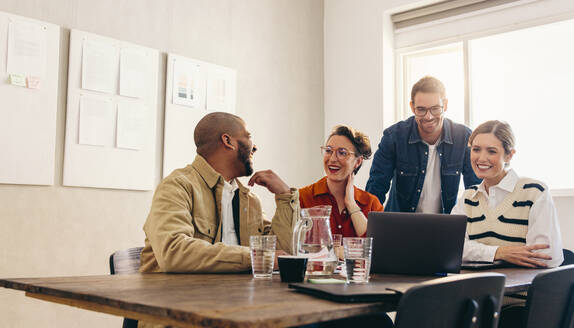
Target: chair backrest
[[550, 301], [462, 301], [568, 257], [125, 261]]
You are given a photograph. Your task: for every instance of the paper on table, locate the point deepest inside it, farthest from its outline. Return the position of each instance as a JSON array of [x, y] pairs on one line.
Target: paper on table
[[132, 121], [26, 49], [188, 84], [100, 63], [133, 73], [218, 91], [96, 121]]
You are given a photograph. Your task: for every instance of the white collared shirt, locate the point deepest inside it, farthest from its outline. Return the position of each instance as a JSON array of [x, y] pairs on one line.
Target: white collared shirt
[[543, 227], [228, 235], [430, 200]]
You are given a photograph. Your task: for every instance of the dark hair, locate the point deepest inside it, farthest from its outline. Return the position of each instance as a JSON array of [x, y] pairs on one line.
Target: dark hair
[[501, 131], [209, 129], [428, 84], [359, 140]]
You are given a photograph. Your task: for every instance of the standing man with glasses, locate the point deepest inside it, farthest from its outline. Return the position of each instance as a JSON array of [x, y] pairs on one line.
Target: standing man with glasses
[[423, 156]]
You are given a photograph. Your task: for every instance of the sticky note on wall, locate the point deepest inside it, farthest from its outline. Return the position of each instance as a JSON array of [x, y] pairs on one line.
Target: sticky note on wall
[[18, 80], [33, 82]]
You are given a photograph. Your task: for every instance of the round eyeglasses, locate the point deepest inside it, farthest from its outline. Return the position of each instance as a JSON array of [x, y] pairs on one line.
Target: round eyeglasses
[[341, 153]]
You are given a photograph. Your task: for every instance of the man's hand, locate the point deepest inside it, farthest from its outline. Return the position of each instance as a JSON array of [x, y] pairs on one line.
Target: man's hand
[[523, 255], [269, 180]]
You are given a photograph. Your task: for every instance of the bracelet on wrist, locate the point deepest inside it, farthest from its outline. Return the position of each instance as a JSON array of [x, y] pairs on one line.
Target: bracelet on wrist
[[355, 211]]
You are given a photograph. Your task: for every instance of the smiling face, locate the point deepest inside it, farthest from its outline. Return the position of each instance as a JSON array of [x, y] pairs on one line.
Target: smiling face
[[339, 169], [487, 157], [429, 125]]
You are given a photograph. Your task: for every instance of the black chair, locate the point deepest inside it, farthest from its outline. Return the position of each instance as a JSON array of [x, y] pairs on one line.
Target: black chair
[[462, 301], [550, 301], [126, 261], [568, 257]]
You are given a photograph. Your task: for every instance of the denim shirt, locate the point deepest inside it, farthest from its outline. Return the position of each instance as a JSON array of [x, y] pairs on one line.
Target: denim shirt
[[402, 158]]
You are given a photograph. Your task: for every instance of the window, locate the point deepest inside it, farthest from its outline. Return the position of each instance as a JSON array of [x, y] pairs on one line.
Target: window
[[524, 77], [444, 63]]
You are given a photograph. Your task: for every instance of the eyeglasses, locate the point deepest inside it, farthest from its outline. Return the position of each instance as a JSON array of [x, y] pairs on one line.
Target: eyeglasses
[[341, 153], [434, 110]]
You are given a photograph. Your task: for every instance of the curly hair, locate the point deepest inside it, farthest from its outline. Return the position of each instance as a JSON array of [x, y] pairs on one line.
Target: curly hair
[[359, 140]]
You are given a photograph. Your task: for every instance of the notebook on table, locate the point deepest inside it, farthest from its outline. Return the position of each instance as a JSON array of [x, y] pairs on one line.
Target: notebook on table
[[350, 293], [416, 243]]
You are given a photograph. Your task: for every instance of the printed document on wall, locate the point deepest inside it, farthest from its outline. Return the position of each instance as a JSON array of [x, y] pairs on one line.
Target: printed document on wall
[[96, 121], [188, 84], [220, 91], [100, 63], [133, 73], [27, 44], [132, 123]]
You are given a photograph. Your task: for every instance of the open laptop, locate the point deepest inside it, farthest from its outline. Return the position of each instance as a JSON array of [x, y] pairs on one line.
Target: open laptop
[[416, 243]]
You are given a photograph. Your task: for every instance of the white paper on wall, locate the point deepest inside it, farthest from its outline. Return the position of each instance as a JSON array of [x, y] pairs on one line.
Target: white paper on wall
[[100, 63], [132, 123], [188, 84], [96, 121], [27, 44], [133, 72], [219, 91]]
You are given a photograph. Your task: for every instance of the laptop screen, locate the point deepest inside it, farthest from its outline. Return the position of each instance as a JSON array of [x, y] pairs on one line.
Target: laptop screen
[[416, 243]]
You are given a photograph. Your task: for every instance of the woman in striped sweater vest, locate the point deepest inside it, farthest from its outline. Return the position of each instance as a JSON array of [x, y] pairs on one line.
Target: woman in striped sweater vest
[[510, 218]]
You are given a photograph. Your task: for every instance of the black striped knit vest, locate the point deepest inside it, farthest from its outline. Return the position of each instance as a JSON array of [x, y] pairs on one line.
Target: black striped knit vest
[[507, 223]]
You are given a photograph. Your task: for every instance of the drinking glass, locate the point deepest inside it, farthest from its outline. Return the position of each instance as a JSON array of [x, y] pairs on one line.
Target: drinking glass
[[262, 255], [358, 258], [338, 245]]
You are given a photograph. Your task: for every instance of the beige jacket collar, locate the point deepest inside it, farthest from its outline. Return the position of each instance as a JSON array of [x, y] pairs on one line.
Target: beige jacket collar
[[211, 177]]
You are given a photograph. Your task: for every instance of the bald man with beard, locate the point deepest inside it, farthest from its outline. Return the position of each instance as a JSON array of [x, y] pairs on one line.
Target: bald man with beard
[[201, 215]]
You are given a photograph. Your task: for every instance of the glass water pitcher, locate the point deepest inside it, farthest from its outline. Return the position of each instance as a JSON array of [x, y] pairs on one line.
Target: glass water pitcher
[[312, 238]]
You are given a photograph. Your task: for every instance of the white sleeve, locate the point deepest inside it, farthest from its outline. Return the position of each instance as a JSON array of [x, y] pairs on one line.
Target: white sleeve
[[477, 251], [473, 250], [543, 228]]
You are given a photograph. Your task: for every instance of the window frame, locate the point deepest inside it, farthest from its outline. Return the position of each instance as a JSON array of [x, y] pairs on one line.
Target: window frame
[[401, 55], [403, 110]]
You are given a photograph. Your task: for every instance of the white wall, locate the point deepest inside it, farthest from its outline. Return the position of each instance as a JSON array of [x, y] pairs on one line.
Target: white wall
[[277, 49], [359, 82], [359, 68]]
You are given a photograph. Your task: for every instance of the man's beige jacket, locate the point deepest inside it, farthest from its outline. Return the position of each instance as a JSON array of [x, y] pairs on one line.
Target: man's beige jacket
[[183, 228]]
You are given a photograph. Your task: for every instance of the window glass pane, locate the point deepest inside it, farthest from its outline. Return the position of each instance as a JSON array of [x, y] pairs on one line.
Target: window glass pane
[[525, 78], [446, 64]]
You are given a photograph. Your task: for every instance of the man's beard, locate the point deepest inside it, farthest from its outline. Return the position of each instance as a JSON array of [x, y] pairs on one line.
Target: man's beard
[[243, 157]]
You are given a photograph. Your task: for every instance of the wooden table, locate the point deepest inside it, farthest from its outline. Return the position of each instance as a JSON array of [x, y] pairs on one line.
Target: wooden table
[[212, 300]]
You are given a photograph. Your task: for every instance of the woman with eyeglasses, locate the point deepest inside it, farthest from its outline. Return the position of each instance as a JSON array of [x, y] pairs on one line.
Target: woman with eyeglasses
[[343, 155], [510, 218]]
